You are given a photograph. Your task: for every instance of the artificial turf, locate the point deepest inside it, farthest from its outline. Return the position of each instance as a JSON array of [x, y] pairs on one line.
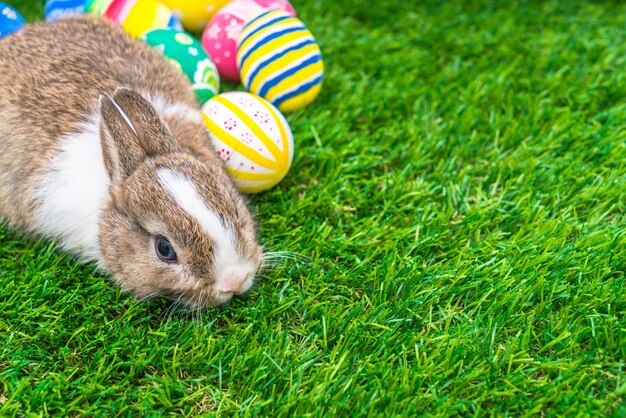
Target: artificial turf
[[456, 220]]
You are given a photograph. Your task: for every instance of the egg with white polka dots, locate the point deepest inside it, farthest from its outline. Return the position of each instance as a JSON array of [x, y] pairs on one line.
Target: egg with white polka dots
[[221, 34], [252, 137], [10, 20], [195, 14], [186, 53], [56, 9]]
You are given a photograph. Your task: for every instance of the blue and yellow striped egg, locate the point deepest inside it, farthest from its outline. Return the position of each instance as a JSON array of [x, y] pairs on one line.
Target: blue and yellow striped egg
[[279, 60], [252, 137]]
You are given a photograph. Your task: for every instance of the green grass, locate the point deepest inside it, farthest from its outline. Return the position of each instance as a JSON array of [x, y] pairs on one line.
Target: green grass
[[458, 190]]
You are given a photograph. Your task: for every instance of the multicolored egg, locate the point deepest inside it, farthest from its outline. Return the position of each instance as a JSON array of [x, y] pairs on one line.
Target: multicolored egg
[[186, 53], [195, 14], [279, 60], [10, 20], [252, 137], [221, 34], [56, 9], [140, 16], [97, 7]]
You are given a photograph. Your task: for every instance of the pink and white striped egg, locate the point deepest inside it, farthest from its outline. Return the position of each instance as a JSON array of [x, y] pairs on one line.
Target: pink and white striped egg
[[222, 33]]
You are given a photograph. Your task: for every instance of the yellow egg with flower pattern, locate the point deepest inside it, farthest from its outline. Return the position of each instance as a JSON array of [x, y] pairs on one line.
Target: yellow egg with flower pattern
[[252, 137]]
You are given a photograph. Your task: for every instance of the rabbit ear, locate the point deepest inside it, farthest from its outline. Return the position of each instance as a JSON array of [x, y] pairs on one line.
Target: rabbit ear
[[131, 130]]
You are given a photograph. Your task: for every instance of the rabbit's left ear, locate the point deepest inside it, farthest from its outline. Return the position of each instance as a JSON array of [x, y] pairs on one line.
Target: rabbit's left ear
[[131, 131]]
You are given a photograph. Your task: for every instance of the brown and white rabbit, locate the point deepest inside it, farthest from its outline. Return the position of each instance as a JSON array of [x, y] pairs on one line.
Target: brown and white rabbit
[[103, 148]]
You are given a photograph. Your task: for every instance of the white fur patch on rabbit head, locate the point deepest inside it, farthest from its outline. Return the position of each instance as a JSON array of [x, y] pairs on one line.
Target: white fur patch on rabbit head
[[174, 225]]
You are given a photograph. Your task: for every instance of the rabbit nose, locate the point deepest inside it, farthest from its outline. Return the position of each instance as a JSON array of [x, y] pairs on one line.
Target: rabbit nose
[[234, 280]]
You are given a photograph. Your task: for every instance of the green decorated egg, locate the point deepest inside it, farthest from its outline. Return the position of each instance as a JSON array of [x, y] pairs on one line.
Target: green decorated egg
[[186, 53]]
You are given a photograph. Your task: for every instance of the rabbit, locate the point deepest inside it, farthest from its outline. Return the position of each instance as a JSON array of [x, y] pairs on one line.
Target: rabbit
[[104, 150]]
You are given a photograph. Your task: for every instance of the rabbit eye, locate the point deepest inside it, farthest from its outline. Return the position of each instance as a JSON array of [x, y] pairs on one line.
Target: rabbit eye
[[164, 249]]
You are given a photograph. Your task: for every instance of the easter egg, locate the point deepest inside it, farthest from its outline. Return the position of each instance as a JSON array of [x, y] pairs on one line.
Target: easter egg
[[279, 60], [140, 16], [252, 137], [54, 9], [10, 20], [276, 5], [221, 34], [195, 14], [97, 7], [186, 53]]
